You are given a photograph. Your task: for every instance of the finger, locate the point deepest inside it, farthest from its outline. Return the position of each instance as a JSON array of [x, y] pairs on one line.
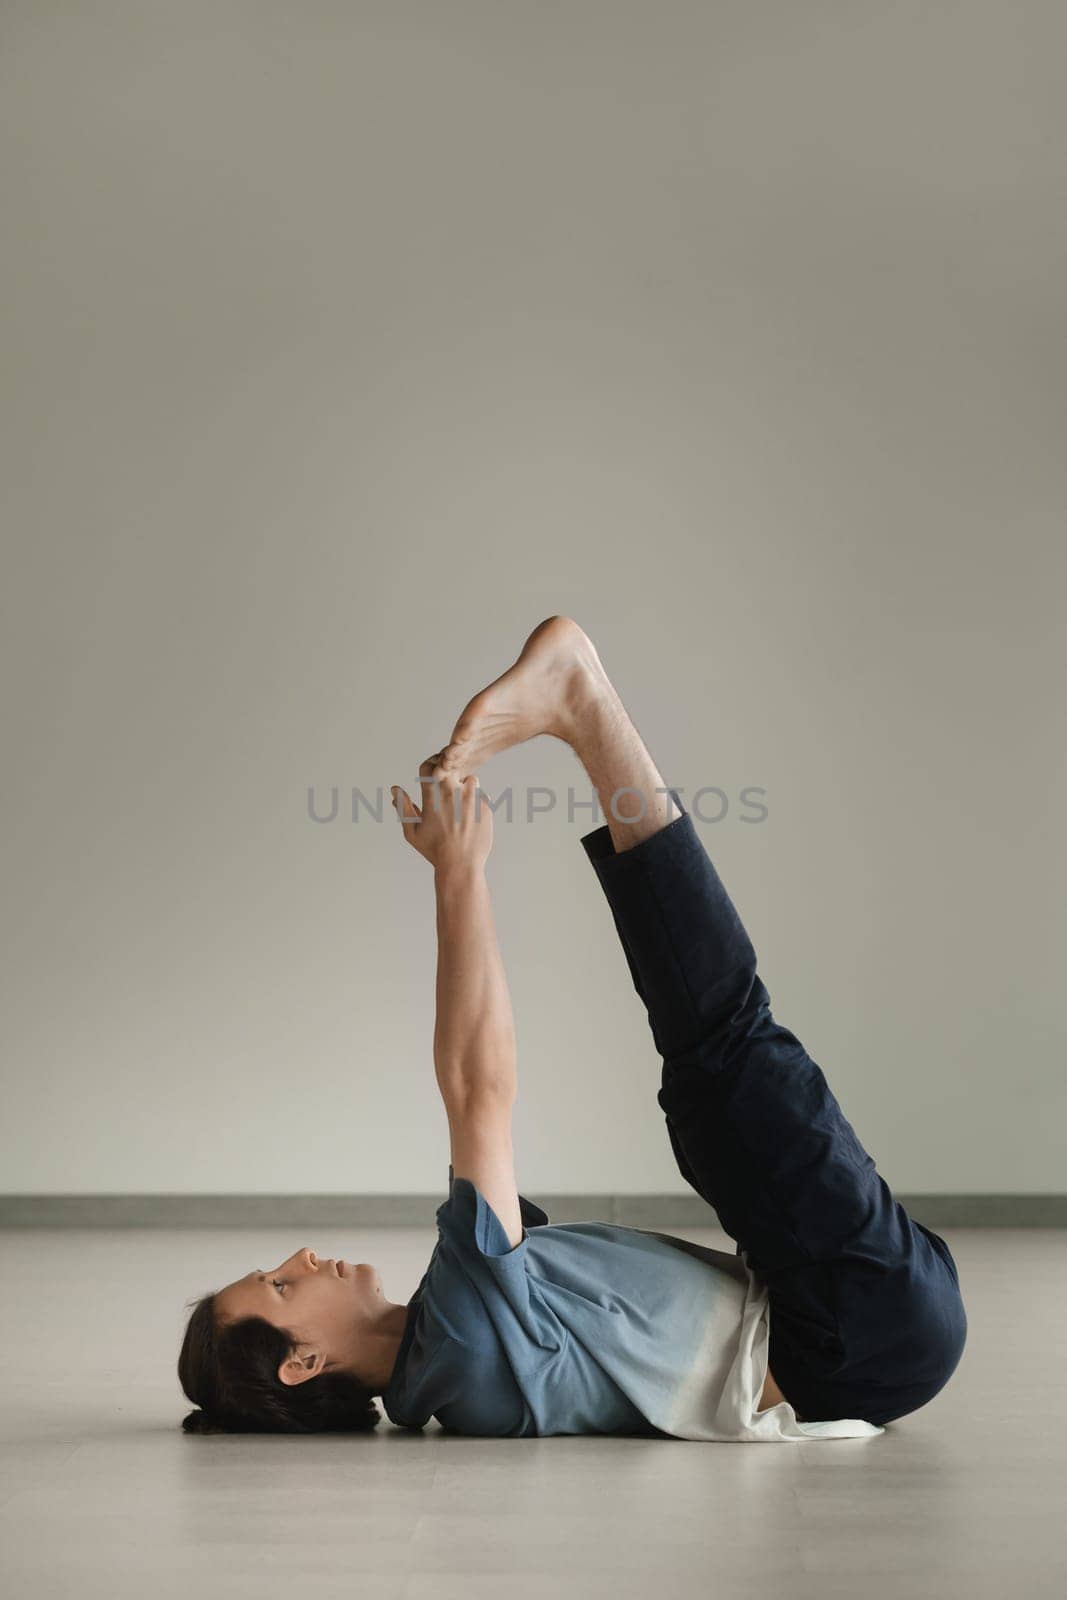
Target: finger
[[468, 792], [436, 781], [430, 780], [407, 811]]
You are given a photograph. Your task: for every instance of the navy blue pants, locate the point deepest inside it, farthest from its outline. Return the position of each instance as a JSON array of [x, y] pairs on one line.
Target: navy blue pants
[[866, 1318]]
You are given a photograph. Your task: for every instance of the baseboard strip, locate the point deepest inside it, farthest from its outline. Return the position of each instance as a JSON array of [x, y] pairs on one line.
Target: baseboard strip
[[684, 1210]]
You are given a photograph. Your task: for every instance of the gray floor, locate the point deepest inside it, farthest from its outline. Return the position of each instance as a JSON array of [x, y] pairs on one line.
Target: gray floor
[[101, 1494]]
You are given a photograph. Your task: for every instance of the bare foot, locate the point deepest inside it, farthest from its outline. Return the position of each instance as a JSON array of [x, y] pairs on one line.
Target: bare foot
[[557, 675]]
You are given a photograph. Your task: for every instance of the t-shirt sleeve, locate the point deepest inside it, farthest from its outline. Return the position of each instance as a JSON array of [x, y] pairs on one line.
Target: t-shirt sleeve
[[472, 1241], [469, 1224]]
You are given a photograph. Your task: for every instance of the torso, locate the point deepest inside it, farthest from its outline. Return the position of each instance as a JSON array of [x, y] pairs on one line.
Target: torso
[[772, 1395]]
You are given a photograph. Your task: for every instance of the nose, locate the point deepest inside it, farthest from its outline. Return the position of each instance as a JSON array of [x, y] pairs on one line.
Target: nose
[[308, 1258], [305, 1258]]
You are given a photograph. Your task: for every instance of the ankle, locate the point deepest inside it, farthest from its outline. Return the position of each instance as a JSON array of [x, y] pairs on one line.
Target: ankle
[[592, 714]]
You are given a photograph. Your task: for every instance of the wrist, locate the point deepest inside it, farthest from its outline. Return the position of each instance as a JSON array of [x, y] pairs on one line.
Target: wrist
[[456, 874]]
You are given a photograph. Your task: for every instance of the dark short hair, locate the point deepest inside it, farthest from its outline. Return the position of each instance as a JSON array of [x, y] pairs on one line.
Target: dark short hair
[[230, 1371]]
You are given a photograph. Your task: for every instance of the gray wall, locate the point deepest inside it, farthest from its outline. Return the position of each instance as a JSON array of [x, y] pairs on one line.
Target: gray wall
[[344, 342]]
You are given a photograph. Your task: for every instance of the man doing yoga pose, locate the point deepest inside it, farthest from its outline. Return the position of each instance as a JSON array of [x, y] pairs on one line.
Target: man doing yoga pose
[[837, 1315]]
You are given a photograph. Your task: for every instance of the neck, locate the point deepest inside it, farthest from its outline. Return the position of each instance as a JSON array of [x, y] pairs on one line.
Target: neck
[[380, 1345]]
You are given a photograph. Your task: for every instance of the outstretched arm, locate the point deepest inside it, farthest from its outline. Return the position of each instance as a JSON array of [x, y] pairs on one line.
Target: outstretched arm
[[474, 1035]]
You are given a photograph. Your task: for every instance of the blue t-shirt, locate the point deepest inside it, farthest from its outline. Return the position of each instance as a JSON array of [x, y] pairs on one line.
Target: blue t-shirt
[[584, 1327]]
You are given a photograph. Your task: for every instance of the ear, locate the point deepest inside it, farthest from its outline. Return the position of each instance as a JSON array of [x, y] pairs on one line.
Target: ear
[[307, 1363]]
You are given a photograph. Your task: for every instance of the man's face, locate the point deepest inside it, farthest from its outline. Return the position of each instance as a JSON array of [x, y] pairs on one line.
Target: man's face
[[327, 1304]]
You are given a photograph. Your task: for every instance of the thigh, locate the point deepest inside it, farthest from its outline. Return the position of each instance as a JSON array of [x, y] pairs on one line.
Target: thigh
[[757, 1131]]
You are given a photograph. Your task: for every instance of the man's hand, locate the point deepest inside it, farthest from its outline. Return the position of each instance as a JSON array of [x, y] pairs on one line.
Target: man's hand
[[454, 827]]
